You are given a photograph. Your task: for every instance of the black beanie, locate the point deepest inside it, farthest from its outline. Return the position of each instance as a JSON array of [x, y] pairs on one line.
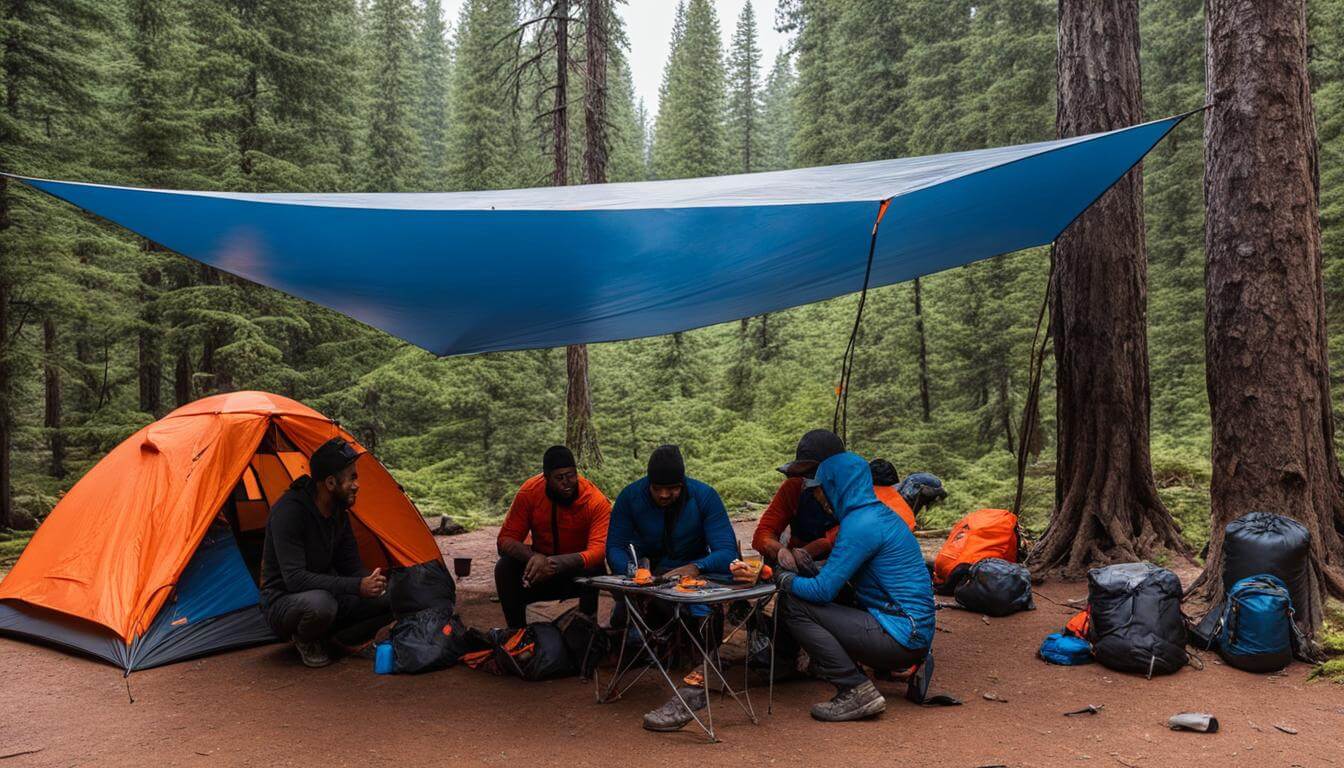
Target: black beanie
[[557, 457], [666, 466], [884, 473]]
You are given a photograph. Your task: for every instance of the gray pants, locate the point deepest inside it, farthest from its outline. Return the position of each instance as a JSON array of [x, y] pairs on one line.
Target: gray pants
[[349, 620], [839, 638]]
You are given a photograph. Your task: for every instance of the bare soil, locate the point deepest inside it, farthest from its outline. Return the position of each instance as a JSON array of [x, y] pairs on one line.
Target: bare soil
[[260, 707]]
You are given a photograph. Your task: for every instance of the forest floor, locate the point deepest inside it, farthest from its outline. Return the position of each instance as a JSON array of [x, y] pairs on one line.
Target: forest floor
[[259, 707]]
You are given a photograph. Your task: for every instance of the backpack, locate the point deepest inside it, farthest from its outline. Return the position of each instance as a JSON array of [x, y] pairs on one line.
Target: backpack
[[1137, 625], [1255, 630], [1065, 649], [412, 589], [1080, 625], [535, 652], [996, 588], [981, 534], [1265, 543], [432, 639], [588, 644]]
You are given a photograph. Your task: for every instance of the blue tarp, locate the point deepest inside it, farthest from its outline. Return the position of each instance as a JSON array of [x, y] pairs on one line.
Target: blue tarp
[[464, 272]]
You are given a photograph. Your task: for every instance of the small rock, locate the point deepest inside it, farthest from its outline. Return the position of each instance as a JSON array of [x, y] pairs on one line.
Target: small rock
[[1287, 729]]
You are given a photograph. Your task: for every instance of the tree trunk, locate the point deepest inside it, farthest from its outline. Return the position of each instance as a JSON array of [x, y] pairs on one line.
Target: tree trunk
[[150, 366], [51, 375], [580, 432], [923, 354], [6, 383], [1106, 504], [182, 376], [1267, 356]]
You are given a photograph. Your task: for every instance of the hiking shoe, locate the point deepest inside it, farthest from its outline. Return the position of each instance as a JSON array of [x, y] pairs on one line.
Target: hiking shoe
[[673, 716], [312, 653], [857, 703]]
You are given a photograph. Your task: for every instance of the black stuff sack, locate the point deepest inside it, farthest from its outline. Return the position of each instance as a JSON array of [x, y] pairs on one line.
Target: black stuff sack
[[432, 639], [1266, 543], [1137, 625], [415, 588], [995, 587]]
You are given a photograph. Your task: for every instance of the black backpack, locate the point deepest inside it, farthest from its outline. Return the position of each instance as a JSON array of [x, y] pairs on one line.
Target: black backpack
[[434, 638], [1137, 625], [535, 652], [996, 587], [414, 588]]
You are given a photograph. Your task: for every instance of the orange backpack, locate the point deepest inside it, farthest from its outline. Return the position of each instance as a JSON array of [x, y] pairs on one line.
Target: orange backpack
[[981, 534]]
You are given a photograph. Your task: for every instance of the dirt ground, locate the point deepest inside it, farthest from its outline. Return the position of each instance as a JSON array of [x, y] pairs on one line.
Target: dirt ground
[[260, 707]]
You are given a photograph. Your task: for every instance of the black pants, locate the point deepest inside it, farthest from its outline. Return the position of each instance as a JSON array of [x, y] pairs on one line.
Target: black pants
[[514, 597], [348, 620], [838, 638]]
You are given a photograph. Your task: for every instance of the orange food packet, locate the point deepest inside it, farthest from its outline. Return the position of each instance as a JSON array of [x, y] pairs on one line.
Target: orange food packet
[[767, 572], [643, 576]]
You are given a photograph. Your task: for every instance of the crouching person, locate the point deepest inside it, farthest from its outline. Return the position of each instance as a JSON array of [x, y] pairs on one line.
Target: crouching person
[[892, 627], [565, 517], [314, 588]]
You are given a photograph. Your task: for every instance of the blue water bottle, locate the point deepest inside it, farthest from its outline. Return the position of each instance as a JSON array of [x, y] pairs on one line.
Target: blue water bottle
[[382, 658]]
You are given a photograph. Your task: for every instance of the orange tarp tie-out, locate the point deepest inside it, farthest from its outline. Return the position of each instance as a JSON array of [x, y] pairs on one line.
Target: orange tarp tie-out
[[113, 548]]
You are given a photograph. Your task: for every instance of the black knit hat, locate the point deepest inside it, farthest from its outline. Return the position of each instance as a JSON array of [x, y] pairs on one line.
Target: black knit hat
[[331, 457], [557, 457], [666, 466], [814, 447], [884, 473]]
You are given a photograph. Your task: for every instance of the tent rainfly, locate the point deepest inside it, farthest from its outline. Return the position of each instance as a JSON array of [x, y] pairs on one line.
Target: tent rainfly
[[466, 272]]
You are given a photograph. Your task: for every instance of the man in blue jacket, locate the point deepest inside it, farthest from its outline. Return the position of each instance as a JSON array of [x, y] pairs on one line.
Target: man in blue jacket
[[875, 552], [680, 525]]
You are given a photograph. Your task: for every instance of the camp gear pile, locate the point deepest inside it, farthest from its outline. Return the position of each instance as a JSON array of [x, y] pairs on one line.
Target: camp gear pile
[[981, 534]]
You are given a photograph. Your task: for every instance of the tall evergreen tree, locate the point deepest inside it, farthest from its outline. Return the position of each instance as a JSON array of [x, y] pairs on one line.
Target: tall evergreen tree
[[777, 115], [1273, 425], [484, 135], [817, 134], [1101, 346], [433, 68], [689, 138], [744, 119], [394, 149]]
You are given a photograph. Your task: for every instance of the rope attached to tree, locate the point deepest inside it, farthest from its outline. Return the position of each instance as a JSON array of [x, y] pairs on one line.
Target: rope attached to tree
[[840, 420], [1031, 408]]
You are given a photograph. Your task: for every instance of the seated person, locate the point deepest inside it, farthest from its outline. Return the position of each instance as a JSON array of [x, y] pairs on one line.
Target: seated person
[[812, 527], [314, 587], [681, 527], [875, 552], [565, 516]]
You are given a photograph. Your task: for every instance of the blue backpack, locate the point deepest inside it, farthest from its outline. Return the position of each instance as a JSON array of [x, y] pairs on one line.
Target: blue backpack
[[1065, 649], [1255, 630]]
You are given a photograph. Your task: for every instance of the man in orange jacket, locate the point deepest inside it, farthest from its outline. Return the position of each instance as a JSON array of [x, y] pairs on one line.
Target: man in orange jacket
[[812, 527], [565, 517]]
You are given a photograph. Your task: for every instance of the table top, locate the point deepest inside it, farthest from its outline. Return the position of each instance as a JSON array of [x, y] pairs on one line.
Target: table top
[[713, 592]]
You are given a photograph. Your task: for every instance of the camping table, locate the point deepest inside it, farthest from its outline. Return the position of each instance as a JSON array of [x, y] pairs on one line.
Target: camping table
[[714, 594]]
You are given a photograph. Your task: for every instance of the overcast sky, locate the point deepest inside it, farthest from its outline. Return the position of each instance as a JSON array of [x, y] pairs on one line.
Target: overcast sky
[[648, 24]]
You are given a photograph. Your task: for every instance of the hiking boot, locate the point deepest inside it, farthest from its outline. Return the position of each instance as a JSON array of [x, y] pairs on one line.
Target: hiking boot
[[673, 716], [856, 703], [312, 653]]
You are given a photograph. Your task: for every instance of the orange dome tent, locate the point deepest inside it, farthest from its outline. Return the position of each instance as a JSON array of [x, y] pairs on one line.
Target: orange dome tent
[[153, 556]]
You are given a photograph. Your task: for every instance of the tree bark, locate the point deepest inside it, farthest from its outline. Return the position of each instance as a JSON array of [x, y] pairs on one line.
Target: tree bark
[[182, 379], [580, 432], [51, 375], [6, 383], [1106, 504], [923, 354], [1265, 341], [150, 348]]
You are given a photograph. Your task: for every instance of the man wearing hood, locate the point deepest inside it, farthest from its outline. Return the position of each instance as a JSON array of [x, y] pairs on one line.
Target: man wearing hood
[[875, 552], [313, 584], [565, 517], [812, 527], [681, 527]]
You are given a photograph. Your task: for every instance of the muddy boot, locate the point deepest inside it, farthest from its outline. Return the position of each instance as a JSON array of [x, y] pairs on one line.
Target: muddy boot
[[673, 715], [312, 653], [854, 704]]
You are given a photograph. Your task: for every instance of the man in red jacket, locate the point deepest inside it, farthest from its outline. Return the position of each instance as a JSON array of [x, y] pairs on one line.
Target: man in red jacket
[[565, 518]]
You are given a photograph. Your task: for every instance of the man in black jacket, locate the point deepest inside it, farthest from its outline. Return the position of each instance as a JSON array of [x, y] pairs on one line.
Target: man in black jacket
[[313, 584]]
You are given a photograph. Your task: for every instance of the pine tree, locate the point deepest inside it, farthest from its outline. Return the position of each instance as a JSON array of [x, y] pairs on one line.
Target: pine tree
[[395, 152], [817, 135], [484, 133], [777, 115], [744, 120], [689, 139], [433, 67]]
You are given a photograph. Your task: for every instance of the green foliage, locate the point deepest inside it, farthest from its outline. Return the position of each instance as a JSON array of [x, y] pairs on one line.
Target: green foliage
[[395, 153], [744, 121]]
